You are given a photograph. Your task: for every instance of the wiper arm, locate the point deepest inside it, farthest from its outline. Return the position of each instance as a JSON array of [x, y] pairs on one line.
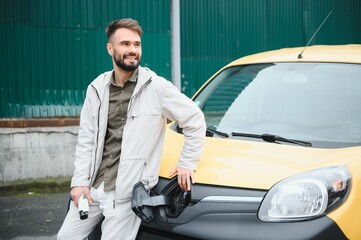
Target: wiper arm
[[210, 132], [272, 138]]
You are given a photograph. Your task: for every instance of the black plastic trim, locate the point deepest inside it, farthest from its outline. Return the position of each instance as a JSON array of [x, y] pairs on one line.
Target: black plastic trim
[[237, 226]]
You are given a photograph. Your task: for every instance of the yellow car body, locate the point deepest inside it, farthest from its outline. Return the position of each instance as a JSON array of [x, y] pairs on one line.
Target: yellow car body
[[248, 164], [264, 164]]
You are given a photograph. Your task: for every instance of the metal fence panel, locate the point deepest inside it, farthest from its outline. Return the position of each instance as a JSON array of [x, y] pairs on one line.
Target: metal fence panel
[[215, 32], [52, 49]]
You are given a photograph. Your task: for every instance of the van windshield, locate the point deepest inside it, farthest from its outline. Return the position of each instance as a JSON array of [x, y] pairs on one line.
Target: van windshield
[[314, 102]]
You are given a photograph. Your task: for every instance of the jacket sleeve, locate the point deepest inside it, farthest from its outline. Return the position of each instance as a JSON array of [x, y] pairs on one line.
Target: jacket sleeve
[[85, 145], [178, 107]]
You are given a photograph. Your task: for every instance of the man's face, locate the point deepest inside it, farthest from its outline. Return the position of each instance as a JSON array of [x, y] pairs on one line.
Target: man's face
[[126, 49]]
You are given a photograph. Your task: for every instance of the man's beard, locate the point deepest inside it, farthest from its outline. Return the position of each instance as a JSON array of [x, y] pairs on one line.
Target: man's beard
[[126, 67]]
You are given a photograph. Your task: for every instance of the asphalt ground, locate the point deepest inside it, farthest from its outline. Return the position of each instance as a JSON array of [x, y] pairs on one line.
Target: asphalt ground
[[30, 216]]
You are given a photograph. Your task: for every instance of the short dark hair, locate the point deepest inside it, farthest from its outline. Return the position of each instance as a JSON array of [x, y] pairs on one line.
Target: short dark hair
[[123, 23]]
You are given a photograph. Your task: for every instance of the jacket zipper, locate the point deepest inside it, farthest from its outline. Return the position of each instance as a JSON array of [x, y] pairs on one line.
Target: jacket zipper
[[97, 140]]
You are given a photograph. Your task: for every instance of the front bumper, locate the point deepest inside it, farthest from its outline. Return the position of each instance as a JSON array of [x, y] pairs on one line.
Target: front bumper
[[232, 216], [236, 226]]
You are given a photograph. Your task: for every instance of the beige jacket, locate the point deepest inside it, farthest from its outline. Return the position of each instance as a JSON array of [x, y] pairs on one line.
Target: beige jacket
[[154, 101]]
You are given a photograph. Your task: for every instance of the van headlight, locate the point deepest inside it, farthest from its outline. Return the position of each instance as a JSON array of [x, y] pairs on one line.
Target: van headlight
[[307, 195]]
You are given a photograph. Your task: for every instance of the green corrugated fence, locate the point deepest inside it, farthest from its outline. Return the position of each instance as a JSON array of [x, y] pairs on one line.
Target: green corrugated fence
[[52, 49]]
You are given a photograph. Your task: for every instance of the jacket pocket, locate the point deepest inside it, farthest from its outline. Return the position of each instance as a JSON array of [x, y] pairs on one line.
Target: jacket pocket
[[141, 132], [130, 172]]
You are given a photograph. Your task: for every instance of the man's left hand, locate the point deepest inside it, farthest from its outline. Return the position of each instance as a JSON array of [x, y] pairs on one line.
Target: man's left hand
[[185, 178]]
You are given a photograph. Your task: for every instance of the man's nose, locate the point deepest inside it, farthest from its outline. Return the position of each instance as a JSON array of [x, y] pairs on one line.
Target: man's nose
[[132, 48]]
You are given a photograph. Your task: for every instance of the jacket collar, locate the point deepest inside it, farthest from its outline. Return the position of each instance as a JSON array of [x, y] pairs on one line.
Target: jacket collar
[[105, 79], [144, 75]]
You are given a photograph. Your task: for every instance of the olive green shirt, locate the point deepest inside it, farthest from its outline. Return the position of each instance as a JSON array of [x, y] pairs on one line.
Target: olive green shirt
[[118, 105]]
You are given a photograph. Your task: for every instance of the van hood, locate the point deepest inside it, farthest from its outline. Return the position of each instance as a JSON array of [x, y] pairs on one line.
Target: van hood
[[251, 164]]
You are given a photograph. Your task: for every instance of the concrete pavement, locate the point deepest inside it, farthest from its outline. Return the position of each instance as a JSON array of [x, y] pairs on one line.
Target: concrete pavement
[[32, 217]]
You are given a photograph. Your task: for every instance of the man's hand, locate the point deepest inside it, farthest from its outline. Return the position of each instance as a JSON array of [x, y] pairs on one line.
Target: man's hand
[[185, 178], [76, 192]]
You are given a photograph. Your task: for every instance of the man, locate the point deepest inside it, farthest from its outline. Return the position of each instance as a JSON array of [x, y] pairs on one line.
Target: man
[[121, 135]]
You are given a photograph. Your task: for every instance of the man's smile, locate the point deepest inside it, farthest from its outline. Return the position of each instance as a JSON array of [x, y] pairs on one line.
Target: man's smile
[[131, 57]]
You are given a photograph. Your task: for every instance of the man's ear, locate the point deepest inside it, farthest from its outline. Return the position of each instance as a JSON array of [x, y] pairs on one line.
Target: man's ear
[[110, 49]]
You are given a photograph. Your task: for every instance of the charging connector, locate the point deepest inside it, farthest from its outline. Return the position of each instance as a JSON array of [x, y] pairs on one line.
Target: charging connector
[[83, 207]]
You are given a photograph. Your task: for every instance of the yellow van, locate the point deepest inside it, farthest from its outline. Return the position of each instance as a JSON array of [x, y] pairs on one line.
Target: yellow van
[[282, 158]]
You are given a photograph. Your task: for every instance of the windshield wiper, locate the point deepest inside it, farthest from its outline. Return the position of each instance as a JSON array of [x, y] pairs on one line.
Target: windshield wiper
[[272, 138], [210, 132]]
